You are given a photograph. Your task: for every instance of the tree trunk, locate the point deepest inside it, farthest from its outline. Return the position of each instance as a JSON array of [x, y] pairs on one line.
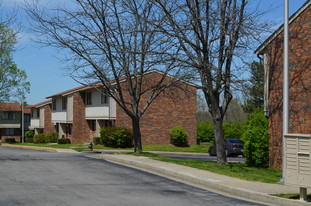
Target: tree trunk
[[220, 142], [137, 135]]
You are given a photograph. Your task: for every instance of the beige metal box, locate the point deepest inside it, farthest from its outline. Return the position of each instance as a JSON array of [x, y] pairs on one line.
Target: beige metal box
[[297, 152]]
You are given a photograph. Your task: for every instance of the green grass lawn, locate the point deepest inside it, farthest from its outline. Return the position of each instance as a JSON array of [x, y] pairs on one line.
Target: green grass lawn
[[237, 170]]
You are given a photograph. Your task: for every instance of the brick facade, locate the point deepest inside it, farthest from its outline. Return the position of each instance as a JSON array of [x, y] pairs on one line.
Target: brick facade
[[174, 107], [299, 81], [80, 128], [48, 124]]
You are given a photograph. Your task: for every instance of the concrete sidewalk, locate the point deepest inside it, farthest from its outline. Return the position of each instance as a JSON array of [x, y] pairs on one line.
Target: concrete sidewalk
[[253, 191]]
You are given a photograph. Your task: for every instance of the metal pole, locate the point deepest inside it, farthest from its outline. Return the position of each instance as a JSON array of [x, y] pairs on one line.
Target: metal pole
[[285, 85], [23, 123]]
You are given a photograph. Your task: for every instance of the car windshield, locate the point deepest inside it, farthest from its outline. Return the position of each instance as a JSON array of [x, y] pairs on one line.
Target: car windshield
[[235, 141]]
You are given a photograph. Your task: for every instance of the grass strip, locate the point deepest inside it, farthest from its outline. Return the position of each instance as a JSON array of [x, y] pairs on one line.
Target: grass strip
[[237, 170], [295, 196]]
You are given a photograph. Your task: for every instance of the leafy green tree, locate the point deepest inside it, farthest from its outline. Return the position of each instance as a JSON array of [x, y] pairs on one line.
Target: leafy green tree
[[256, 140], [234, 130], [13, 82], [256, 88], [205, 132]]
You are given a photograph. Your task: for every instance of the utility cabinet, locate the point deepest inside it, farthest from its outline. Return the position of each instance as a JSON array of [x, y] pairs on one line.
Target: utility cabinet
[[297, 150]]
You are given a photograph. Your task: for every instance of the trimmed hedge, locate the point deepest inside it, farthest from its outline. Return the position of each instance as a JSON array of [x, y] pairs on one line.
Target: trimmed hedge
[[64, 141], [179, 136], [116, 137], [52, 137], [39, 139], [10, 140]]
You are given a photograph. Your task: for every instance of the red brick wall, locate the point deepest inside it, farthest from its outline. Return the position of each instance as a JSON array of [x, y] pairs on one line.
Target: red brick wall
[[300, 85], [48, 124], [172, 108], [80, 128], [17, 135]]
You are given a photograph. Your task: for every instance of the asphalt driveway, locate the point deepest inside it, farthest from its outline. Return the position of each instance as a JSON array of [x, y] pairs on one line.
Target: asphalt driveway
[[29, 177]]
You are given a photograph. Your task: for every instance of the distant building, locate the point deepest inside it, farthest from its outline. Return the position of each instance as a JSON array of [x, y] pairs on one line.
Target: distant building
[[80, 113], [41, 121], [10, 120], [299, 80]]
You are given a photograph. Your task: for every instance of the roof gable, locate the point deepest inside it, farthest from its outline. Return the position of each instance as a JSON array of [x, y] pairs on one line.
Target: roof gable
[[304, 7]]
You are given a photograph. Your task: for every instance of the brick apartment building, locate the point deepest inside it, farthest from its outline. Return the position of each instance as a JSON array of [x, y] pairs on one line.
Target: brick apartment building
[[79, 114], [10, 120], [299, 80], [41, 118]]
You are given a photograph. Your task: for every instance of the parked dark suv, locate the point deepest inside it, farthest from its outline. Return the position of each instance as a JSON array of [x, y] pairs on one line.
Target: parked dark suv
[[234, 147]]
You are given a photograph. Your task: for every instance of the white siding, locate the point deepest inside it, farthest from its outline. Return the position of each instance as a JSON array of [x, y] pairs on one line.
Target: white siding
[[34, 123], [70, 108], [59, 115], [41, 121], [98, 110], [113, 107]]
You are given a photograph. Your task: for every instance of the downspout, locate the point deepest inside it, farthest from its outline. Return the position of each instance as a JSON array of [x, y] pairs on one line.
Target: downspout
[[260, 58]]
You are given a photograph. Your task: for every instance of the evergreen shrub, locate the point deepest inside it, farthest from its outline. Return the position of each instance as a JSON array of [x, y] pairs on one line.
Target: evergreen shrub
[[256, 140], [29, 136], [179, 136], [63, 141], [52, 137], [39, 139]]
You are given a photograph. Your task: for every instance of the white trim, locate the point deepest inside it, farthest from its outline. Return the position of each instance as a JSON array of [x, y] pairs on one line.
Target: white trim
[[100, 118]]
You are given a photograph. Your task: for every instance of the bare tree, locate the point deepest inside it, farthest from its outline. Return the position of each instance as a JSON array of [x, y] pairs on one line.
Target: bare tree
[[213, 36], [116, 43]]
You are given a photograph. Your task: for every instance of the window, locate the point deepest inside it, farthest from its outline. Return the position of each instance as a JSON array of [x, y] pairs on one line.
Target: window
[[38, 113], [64, 103], [9, 132], [89, 98], [104, 97], [27, 118], [54, 104], [8, 116]]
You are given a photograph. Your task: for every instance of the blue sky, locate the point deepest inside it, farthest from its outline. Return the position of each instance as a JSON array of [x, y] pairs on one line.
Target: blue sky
[[46, 72]]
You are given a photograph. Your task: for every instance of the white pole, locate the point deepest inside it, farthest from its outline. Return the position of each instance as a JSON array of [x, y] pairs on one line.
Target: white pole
[[285, 85]]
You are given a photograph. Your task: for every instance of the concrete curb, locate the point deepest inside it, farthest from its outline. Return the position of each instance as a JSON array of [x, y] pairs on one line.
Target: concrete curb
[[204, 183], [38, 148]]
